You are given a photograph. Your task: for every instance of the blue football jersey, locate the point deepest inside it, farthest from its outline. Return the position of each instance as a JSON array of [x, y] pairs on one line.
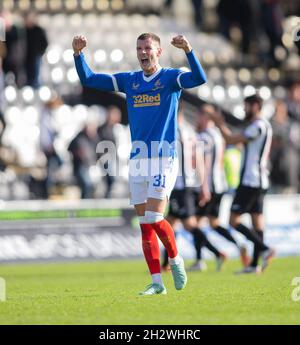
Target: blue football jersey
[[152, 103]]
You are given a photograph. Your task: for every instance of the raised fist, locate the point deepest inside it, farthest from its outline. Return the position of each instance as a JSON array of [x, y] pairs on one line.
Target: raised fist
[[182, 43], [79, 42]]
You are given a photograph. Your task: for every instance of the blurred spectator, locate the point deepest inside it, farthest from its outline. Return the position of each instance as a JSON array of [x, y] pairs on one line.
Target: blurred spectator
[[47, 137], [83, 150], [272, 19], [108, 132], [197, 8], [13, 58], [285, 151], [253, 18], [36, 45], [168, 4], [294, 100], [197, 11], [237, 12]]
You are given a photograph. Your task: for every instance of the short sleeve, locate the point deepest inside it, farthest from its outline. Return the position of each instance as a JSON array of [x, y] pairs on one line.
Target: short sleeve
[[252, 132]]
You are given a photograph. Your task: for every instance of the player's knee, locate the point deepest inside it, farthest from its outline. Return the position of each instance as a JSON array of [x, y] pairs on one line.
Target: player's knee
[[153, 217], [214, 222], [190, 224], [234, 221], [188, 228]]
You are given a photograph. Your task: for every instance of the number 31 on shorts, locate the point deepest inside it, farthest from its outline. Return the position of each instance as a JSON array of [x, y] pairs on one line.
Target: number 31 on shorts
[[160, 181]]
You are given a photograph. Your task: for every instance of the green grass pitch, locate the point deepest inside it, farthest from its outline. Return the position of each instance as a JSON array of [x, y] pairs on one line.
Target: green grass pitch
[[106, 293]]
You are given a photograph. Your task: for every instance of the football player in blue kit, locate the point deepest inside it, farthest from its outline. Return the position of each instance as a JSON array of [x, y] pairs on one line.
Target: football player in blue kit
[[152, 96]]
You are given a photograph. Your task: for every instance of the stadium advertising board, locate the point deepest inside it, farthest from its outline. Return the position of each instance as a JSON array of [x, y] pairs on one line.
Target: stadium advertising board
[[84, 232], [100, 230]]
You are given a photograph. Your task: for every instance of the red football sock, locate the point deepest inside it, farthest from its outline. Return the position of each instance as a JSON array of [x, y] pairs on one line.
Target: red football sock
[[166, 234], [150, 248]]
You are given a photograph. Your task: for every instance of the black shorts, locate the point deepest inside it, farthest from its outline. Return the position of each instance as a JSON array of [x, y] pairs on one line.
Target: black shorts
[[182, 203], [210, 209], [248, 200]]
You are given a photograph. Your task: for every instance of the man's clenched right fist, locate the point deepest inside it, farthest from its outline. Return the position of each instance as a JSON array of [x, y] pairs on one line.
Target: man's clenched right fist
[[79, 42]]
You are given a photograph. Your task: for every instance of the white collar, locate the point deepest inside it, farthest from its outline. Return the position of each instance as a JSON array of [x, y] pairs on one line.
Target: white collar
[[152, 76]]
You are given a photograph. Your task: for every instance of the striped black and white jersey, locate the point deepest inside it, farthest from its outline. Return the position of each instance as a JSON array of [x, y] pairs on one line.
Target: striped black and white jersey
[[214, 151], [254, 171]]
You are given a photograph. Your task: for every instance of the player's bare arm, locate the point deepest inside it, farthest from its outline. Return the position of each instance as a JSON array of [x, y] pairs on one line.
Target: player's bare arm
[[205, 194], [230, 138]]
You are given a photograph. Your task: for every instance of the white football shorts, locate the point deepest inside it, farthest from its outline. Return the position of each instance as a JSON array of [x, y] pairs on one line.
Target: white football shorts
[[151, 178]]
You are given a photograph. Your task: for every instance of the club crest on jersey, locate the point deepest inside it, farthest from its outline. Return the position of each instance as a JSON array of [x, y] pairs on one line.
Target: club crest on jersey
[[135, 86], [157, 85], [146, 100]]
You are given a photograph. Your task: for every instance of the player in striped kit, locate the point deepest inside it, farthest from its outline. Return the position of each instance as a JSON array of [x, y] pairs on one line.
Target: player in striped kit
[[185, 197], [152, 96], [254, 180], [214, 176]]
